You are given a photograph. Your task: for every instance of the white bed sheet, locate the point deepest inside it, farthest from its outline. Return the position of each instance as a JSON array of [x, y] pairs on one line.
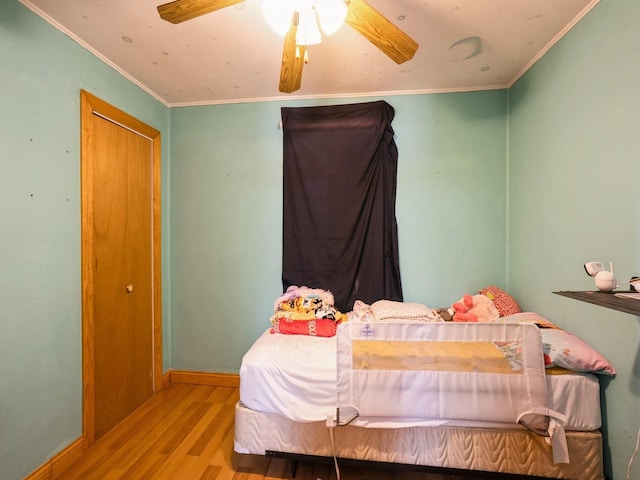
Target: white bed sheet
[[295, 376]]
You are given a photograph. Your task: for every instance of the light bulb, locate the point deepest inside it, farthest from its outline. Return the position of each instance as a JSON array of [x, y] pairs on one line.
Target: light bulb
[[331, 14], [313, 15], [278, 14]]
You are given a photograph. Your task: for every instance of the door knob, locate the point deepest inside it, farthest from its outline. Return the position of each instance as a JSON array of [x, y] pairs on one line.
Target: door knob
[[129, 288]]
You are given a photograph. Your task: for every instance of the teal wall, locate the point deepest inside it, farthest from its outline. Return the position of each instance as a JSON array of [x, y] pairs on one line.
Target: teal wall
[[226, 204], [574, 174], [546, 172], [41, 74]]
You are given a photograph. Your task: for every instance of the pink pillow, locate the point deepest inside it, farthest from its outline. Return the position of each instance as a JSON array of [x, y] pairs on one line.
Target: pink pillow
[[504, 302], [563, 349]]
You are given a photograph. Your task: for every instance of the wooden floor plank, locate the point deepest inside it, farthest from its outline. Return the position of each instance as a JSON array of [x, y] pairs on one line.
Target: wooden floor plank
[[186, 432], [222, 395], [134, 438], [195, 454], [224, 457], [211, 435], [146, 465], [183, 426], [210, 473], [149, 413]]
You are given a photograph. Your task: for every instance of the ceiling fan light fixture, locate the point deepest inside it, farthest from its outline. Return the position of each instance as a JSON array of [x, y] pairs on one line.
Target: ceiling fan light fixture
[[308, 32], [331, 14], [278, 14], [314, 15]]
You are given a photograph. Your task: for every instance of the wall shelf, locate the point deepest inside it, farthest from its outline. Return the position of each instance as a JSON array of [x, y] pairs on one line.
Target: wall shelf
[[607, 300]]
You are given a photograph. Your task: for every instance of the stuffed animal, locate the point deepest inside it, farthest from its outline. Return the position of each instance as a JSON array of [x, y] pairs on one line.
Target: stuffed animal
[[294, 292], [443, 314], [476, 308]]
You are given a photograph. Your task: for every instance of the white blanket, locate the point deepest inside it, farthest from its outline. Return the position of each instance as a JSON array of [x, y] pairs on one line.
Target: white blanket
[[295, 376]]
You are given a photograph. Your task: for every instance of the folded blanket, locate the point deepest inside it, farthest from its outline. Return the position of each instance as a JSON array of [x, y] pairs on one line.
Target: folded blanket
[[303, 303], [319, 328]]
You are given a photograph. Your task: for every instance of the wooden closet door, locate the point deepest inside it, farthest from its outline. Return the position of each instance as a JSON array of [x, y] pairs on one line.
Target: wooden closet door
[[122, 281]]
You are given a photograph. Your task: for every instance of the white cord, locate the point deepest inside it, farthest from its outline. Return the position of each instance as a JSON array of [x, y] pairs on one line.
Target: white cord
[[331, 423], [333, 450], [633, 455]]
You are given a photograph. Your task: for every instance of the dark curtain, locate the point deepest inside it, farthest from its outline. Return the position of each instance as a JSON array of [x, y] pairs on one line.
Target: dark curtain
[[339, 223]]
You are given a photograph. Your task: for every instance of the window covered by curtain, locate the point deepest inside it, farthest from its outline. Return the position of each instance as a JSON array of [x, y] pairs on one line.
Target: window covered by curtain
[[339, 224]]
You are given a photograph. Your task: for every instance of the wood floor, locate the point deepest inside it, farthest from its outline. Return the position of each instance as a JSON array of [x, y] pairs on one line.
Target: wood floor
[[185, 432]]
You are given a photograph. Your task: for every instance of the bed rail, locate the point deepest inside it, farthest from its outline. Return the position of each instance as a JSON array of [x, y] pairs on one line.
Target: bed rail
[[445, 371]]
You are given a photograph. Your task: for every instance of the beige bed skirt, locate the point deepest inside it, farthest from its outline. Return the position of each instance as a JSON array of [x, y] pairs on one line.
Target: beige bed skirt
[[516, 451]]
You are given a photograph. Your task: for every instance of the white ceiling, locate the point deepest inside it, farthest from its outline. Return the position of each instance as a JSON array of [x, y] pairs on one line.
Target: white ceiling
[[231, 55]]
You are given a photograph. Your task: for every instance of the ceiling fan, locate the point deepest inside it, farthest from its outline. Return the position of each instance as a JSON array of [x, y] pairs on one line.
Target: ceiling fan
[[392, 41]]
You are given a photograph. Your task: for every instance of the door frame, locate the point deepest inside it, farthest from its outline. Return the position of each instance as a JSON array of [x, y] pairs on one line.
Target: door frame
[[90, 107]]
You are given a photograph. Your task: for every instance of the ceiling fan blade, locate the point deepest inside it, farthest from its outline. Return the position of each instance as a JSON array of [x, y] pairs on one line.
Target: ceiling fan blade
[[292, 60], [182, 10], [381, 32]]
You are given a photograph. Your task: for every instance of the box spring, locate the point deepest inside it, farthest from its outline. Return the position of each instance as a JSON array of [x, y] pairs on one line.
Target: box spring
[[505, 450]]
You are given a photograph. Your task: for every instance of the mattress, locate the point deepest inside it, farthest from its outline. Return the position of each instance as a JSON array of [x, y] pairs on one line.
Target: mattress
[[294, 376]]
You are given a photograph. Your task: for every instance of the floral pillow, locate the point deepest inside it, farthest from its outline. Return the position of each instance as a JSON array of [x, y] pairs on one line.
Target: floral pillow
[[504, 302], [564, 349]]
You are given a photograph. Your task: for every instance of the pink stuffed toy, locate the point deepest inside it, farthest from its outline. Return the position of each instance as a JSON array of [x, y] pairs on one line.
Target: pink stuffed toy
[[476, 308]]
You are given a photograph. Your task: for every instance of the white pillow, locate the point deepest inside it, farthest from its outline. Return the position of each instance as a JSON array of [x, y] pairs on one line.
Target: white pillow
[[390, 310]]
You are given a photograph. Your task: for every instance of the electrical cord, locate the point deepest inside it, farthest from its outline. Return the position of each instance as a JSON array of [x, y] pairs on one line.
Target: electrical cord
[[335, 459], [633, 455], [331, 423]]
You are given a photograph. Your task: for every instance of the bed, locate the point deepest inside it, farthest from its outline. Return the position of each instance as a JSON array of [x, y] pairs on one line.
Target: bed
[[298, 389]]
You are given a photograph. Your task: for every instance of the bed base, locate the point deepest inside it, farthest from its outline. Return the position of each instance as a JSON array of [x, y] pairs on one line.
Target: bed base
[[297, 457], [514, 451]]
